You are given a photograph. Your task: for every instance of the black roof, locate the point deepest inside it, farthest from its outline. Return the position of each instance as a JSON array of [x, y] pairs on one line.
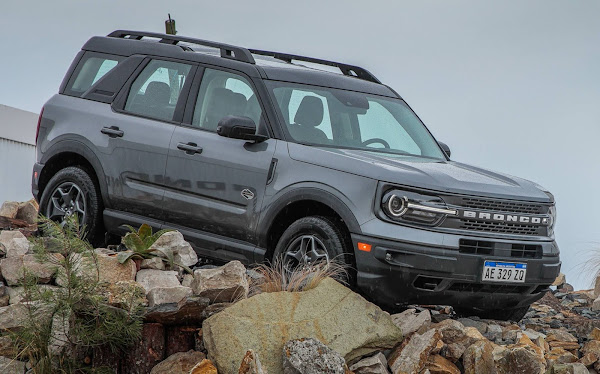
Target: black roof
[[267, 65]]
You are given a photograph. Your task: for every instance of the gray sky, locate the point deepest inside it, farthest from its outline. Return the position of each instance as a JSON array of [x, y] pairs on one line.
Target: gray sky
[[511, 86]]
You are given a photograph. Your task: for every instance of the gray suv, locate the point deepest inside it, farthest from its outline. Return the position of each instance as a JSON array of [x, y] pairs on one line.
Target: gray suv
[[254, 155]]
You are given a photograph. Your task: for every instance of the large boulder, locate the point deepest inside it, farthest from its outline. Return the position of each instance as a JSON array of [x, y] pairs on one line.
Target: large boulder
[[331, 313], [28, 211], [151, 278], [310, 356], [223, 284], [14, 269], [14, 243], [178, 363], [174, 242]]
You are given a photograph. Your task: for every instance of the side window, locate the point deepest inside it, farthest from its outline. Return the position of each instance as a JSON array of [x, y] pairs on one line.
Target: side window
[[154, 93], [296, 119], [90, 69], [224, 94]]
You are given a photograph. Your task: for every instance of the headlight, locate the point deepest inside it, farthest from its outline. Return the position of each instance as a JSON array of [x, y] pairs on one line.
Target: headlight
[[413, 207], [552, 212]]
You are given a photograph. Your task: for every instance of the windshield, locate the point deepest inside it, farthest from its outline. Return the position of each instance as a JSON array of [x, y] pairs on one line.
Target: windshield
[[347, 119]]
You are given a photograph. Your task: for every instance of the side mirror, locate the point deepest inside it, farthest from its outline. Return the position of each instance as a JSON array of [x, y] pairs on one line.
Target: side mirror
[[445, 148], [238, 127]]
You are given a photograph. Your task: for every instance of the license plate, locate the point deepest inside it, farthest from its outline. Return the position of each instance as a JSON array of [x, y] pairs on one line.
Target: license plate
[[506, 272]]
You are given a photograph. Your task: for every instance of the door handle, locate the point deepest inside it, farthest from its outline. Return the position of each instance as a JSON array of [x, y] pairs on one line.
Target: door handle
[[112, 131], [189, 148]]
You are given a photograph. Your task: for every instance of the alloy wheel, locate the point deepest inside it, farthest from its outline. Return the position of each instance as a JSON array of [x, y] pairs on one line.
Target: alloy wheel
[[66, 200]]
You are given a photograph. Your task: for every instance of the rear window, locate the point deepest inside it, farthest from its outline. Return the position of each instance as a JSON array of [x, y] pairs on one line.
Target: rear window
[[89, 70]]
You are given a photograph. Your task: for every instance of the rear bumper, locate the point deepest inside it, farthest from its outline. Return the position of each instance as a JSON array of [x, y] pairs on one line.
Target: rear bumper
[[396, 273]]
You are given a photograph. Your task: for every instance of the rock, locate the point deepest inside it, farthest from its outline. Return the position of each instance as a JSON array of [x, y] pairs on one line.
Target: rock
[[155, 263], [187, 280], [559, 281], [562, 339], [9, 209], [479, 325], [494, 332], [204, 367], [595, 334], [575, 368], [437, 364], [559, 356], [59, 334], [533, 335], [14, 268], [165, 295], [13, 316], [146, 353], [520, 358], [330, 312], [181, 339], [18, 295], [588, 359], [251, 364], [178, 363], [8, 347], [596, 304], [371, 365], [410, 321], [150, 278], [188, 311], [4, 295], [592, 347], [214, 309], [124, 294], [478, 358], [173, 241], [14, 243], [457, 337], [567, 288], [223, 284], [28, 211], [310, 356], [108, 269], [411, 356], [10, 366]]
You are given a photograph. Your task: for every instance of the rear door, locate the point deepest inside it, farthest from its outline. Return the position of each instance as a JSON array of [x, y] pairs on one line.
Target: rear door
[[146, 113], [216, 184]]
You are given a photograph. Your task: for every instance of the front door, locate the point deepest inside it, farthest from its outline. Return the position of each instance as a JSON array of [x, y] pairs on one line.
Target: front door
[[215, 185]]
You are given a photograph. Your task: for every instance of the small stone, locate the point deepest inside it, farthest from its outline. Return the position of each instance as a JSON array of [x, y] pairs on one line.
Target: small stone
[[437, 364], [479, 325], [125, 294], [10, 366], [412, 354], [9, 209], [595, 334], [174, 242], [151, 278], [251, 364], [204, 367], [410, 321], [560, 280], [494, 332], [187, 280], [310, 356], [223, 284], [479, 358], [165, 295], [588, 359], [371, 365], [28, 211], [574, 368], [189, 311], [178, 363], [155, 263], [14, 243]]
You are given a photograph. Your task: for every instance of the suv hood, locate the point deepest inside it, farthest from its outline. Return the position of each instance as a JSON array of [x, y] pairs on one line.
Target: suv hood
[[410, 171]]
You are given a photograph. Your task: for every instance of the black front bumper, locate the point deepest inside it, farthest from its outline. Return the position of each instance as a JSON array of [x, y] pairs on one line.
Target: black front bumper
[[394, 273]]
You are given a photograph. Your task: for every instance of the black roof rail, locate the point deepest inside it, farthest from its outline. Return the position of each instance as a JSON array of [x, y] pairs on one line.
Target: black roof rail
[[227, 51], [349, 70]]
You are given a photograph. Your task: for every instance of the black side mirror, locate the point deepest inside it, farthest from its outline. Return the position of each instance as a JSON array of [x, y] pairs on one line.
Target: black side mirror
[[445, 148], [238, 127]]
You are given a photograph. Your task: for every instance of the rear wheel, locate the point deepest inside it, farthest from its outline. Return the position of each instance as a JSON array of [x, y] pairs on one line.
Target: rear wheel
[[311, 240], [71, 191]]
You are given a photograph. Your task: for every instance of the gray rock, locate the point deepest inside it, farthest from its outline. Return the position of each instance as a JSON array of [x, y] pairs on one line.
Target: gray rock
[[165, 295], [13, 316], [174, 242], [10, 366], [14, 243], [59, 334], [371, 365], [178, 363], [155, 263], [571, 368], [310, 356], [151, 278], [410, 321], [479, 325], [412, 356], [188, 311], [4, 296], [223, 284], [17, 294], [14, 268], [187, 280], [9, 209], [28, 211]]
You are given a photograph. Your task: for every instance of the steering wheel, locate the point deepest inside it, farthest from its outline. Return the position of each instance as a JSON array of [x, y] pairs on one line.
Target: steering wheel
[[376, 140]]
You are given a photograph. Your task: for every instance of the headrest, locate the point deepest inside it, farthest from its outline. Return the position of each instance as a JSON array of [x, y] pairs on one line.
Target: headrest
[[310, 111], [158, 93]]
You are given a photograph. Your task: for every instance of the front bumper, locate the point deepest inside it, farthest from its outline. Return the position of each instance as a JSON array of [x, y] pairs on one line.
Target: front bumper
[[396, 273]]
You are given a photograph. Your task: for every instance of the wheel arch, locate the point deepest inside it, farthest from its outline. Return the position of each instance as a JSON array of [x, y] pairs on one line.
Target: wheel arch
[[299, 203], [64, 154]]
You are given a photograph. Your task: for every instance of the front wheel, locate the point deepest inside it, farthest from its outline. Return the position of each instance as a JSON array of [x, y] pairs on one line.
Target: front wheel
[[312, 240], [71, 191]]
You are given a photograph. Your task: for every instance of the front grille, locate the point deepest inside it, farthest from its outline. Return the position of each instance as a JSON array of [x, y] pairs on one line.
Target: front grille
[[503, 206], [488, 248], [526, 251], [499, 227], [488, 288], [475, 247]]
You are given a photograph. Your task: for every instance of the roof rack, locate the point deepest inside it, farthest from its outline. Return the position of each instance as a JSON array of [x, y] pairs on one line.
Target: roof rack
[[227, 51], [349, 70]]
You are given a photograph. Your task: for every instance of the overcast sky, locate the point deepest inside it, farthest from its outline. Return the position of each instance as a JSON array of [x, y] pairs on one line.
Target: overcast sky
[[512, 86]]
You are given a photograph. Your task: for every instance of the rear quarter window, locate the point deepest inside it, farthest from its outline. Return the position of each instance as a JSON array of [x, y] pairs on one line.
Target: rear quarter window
[[89, 70]]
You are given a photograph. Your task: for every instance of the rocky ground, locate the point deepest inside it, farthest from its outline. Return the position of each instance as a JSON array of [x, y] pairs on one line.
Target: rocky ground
[[205, 322]]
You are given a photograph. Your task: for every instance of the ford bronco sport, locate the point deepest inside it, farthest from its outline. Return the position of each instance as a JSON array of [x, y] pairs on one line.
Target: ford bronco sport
[[254, 154]]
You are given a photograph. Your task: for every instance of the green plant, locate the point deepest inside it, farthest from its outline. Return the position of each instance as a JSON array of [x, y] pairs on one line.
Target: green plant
[[79, 310], [139, 242]]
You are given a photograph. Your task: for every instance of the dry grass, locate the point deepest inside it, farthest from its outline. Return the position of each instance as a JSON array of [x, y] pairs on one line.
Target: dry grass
[[276, 277]]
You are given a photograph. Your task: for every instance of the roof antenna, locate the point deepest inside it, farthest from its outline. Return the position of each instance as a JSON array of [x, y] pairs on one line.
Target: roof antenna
[[170, 26]]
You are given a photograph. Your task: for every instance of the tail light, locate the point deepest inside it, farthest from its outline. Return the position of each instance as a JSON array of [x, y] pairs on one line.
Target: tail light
[[37, 131]]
